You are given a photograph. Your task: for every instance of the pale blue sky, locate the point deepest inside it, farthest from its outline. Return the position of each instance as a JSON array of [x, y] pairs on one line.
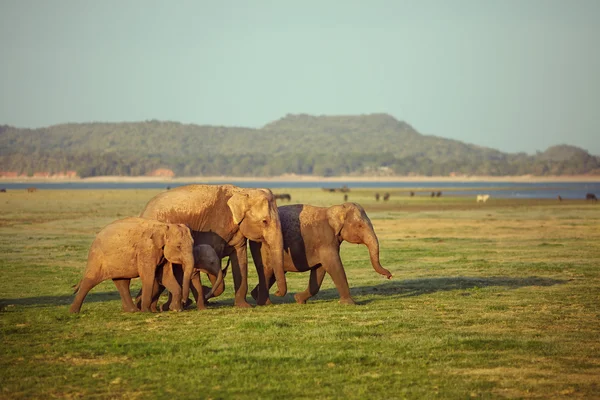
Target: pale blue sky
[[516, 75]]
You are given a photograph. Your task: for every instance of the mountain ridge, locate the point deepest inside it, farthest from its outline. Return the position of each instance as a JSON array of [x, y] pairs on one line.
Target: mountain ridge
[[326, 145]]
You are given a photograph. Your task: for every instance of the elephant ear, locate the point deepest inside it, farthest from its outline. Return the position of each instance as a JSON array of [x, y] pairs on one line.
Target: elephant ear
[[238, 204], [159, 236], [337, 217]]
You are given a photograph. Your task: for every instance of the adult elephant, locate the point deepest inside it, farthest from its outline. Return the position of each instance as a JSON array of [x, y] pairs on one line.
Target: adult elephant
[[311, 240], [224, 217]]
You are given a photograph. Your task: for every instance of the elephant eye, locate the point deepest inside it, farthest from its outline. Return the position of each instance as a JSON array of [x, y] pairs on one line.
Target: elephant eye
[[265, 222]]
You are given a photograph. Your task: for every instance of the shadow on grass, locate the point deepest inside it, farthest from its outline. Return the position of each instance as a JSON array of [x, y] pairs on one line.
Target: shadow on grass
[[404, 288], [59, 300], [418, 287]]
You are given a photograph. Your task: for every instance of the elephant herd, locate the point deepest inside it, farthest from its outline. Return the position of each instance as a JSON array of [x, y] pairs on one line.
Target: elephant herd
[[189, 229]]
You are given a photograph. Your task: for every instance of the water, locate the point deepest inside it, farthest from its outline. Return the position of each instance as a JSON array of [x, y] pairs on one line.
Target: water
[[538, 190]]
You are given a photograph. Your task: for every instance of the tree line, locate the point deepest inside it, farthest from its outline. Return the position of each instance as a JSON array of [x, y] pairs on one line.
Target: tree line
[[374, 144]]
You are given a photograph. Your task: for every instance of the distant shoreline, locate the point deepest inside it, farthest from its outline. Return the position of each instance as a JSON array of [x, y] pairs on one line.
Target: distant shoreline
[[310, 178]]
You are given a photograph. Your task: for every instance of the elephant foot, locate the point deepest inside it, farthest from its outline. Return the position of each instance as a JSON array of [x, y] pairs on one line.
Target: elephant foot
[[347, 301], [242, 304], [131, 309], [299, 298], [201, 305], [259, 300]]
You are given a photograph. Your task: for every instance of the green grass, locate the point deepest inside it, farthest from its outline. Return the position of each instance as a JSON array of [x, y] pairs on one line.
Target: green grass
[[488, 301]]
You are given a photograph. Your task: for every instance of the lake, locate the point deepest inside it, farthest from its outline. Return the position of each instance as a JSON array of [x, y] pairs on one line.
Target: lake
[[530, 190]]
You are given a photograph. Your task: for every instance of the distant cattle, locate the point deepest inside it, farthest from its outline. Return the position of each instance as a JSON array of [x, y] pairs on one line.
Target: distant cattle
[[31, 189], [386, 197], [283, 196], [345, 197], [432, 194], [2, 190], [438, 194], [376, 196], [412, 194], [482, 198], [591, 196], [559, 198]]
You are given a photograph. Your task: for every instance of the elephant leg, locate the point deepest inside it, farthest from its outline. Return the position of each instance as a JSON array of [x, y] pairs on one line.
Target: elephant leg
[[239, 267], [147, 286], [198, 290], [84, 287], [314, 284], [335, 269], [200, 302], [170, 282], [157, 290], [261, 292], [126, 300]]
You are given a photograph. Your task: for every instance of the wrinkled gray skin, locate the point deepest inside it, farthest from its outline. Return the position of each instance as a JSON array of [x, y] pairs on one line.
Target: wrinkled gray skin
[[168, 275], [311, 239], [134, 247], [224, 217]]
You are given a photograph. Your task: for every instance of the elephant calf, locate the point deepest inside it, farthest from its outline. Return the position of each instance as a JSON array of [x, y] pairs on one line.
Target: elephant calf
[[134, 247], [205, 260], [311, 240]]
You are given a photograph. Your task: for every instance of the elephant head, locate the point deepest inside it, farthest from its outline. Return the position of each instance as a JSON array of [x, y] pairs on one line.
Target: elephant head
[[207, 261], [351, 223], [178, 248], [255, 212]]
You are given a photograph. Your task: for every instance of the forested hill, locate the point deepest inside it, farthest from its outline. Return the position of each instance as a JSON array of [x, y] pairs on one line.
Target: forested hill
[[375, 144]]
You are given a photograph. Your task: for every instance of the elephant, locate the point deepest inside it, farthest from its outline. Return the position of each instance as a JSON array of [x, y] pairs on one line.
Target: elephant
[[311, 239], [205, 260], [225, 217], [134, 247]]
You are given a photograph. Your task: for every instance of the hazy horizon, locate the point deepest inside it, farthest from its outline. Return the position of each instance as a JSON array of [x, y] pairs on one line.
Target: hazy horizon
[[510, 75]]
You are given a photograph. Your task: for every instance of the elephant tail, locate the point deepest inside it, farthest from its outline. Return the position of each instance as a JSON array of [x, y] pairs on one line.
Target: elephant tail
[[76, 287]]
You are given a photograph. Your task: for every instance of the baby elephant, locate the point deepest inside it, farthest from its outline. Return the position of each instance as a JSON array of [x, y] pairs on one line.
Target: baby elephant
[[134, 247], [169, 275]]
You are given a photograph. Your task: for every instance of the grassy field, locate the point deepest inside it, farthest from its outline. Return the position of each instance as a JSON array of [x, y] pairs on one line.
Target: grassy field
[[487, 301]]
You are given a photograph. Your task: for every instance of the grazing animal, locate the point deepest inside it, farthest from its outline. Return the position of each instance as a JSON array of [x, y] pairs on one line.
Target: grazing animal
[[345, 197], [377, 196], [2, 190], [591, 196], [438, 194], [386, 197], [412, 194], [134, 247], [31, 189], [559, 198], [283, 196], [432, 194], [482, 198]]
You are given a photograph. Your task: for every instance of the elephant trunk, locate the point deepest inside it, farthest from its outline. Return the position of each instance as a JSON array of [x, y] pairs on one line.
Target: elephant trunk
[[370, 240], [216, 284], [188, 269], [275, 257]]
